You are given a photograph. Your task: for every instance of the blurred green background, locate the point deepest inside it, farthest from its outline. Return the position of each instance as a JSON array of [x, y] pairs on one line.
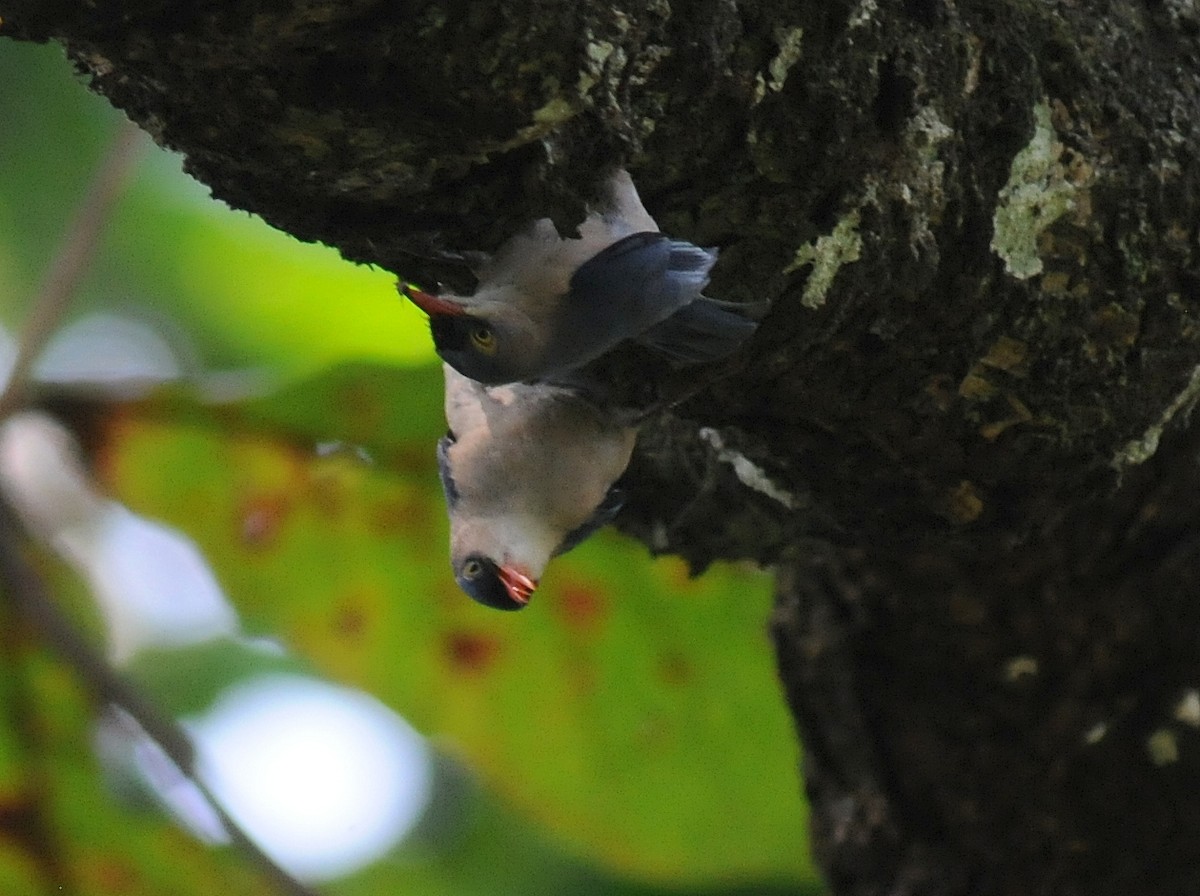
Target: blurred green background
[[623, 735]]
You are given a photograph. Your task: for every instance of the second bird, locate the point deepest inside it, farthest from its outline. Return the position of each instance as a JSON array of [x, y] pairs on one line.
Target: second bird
[[529, 471]]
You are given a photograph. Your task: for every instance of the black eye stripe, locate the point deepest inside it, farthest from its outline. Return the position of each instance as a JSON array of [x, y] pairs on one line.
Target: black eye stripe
[[451, 332]]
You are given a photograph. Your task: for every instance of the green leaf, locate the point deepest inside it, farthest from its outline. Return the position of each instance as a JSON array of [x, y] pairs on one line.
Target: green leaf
[[73, 830], [629, 713], [630, 710]]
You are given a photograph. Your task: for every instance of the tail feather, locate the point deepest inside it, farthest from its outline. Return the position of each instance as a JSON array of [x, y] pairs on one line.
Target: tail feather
[[647, 287], [688, 263], [705, 330]]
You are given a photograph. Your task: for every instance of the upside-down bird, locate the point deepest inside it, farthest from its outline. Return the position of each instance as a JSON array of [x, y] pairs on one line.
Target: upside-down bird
[[528, 471], [546, 305]]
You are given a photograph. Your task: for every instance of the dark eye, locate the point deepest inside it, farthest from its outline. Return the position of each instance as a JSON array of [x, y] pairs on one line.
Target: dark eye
[[483, 338], [471, 569]]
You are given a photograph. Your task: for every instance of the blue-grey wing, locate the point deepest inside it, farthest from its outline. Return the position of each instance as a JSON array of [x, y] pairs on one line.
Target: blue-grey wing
[[443, 458], [637, 282], [613, 501]]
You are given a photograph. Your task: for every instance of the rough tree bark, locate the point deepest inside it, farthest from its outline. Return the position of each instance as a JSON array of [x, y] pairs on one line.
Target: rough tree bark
[[969, 407]]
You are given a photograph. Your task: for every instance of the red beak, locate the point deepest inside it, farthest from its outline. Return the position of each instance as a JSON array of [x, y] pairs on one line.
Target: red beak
[[431, 305], [519, 586]]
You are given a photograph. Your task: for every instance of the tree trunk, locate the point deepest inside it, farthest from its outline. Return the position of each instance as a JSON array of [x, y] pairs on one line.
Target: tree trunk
[[962, 434]]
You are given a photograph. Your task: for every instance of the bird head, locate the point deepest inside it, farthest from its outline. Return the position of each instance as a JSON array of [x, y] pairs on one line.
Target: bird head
[[478, 539], [476, 338], [502, 587]]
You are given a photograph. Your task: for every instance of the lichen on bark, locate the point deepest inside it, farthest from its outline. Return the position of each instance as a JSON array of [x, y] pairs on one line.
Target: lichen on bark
[[1038, 192]]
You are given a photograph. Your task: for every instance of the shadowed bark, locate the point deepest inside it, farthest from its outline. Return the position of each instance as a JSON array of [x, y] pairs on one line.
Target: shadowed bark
[[963, 433]]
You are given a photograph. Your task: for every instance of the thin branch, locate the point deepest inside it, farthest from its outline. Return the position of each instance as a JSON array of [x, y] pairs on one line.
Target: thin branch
[[29, 594], [71, 259]]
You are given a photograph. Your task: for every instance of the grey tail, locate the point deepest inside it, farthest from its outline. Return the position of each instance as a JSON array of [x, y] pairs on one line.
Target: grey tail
[[704, 330], [688, 266]]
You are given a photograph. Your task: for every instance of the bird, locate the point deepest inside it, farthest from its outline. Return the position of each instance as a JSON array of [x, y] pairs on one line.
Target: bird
[[528, 472], [547, 305]]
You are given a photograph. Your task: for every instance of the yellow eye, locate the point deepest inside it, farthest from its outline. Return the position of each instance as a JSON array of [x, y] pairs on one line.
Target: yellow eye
[[471, 569], [483, 338]]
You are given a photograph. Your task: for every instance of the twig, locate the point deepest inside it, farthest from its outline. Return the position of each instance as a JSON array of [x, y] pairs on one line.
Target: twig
[[71, 260], [29, 594]]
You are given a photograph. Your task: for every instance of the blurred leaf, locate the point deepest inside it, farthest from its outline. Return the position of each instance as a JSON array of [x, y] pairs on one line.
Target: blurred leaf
[[255, 294], [59, 824], [632, 711], [185, 681], [628, 711], [23, 863], [234, 291]]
